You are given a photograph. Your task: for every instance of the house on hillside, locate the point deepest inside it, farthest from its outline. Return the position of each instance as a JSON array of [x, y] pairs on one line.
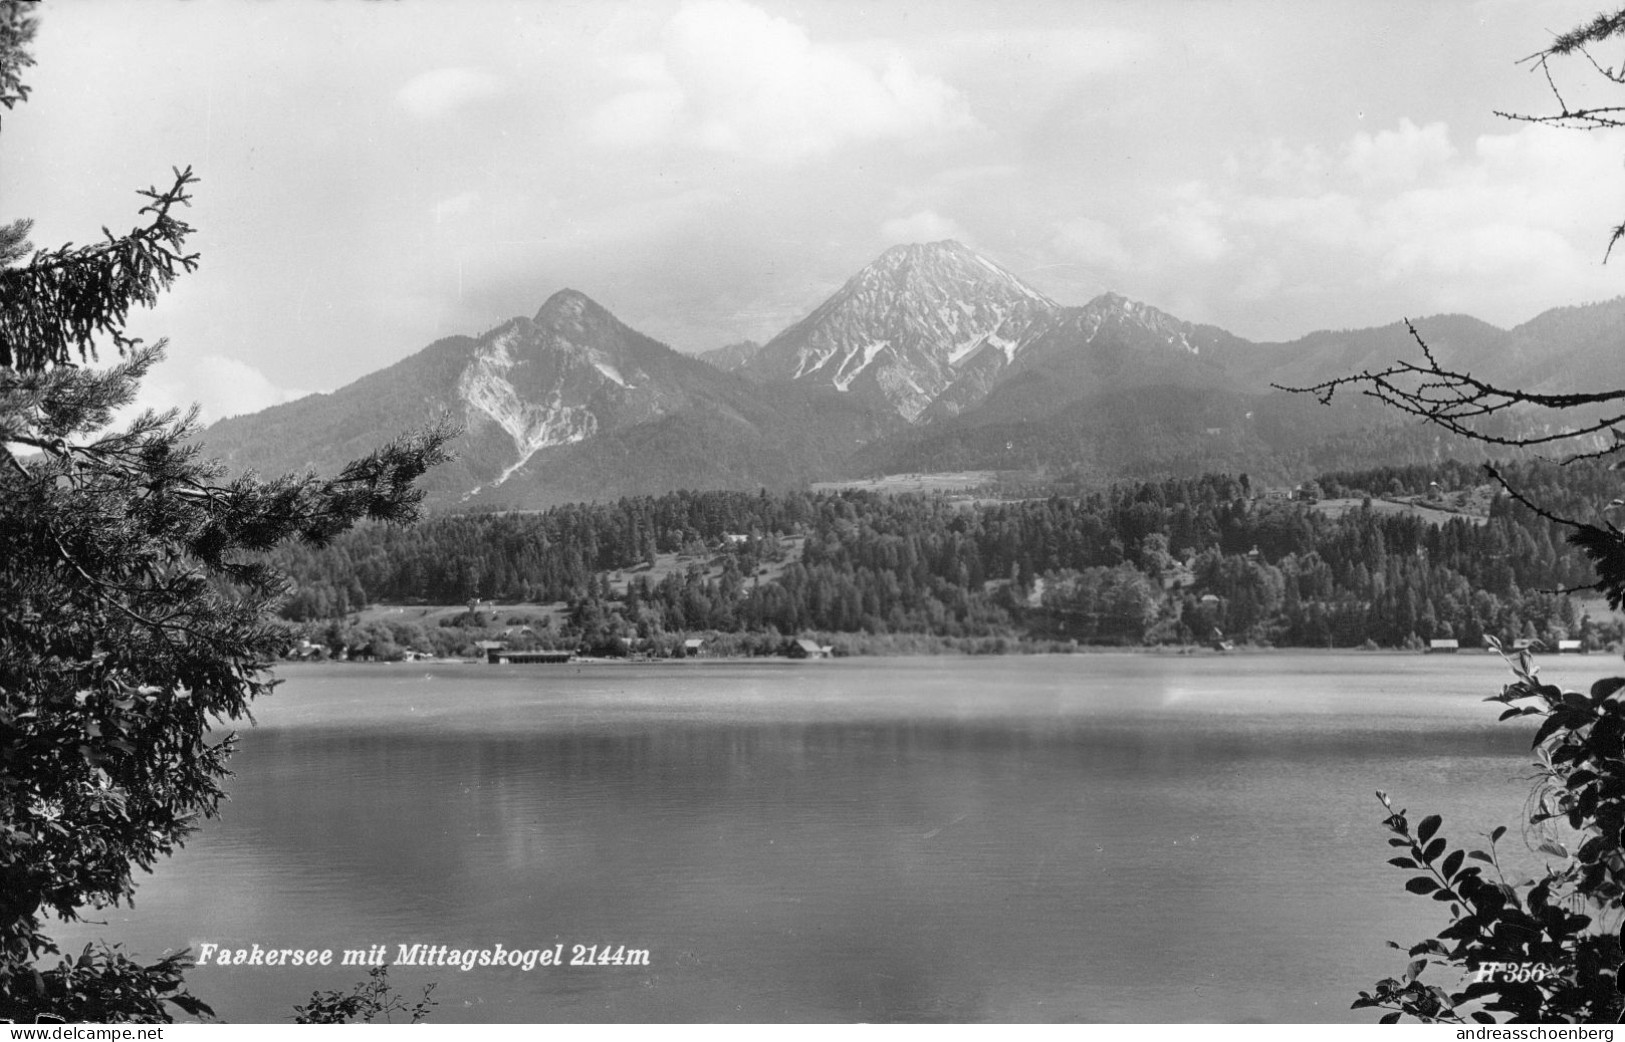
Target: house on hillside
[[1178, 577], [1308, 492]]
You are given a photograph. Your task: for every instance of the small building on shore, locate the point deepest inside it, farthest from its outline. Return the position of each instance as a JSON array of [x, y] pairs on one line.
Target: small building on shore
[[305, 651], [803, 648], [502, 656], [1447, 647]]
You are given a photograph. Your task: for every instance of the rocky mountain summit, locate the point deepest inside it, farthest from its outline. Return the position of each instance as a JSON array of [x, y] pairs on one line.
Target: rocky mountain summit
[[905, 328]]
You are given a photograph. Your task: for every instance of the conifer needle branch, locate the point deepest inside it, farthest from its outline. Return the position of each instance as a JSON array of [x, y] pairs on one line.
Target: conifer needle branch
[[62, 300]]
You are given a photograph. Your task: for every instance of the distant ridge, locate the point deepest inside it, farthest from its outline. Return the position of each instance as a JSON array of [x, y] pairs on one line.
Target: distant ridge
[[732, 356], [930, 357]]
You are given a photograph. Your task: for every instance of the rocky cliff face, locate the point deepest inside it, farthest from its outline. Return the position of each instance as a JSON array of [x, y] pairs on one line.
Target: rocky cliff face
[[488, 395], [562, 377]]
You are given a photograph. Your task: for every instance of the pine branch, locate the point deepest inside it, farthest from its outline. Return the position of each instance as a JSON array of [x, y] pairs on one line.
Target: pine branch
[[17, 28], [60, 302], [1600, 28]]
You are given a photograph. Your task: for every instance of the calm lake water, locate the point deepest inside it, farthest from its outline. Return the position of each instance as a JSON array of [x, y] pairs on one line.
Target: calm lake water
[[1067, 838]]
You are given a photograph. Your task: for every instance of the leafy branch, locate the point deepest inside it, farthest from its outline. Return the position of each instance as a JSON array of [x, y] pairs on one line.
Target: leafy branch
[[371, 1000], [1497, 926]]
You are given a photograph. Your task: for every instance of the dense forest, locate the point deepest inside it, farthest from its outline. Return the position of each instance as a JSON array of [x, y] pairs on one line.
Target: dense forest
[[1172, 561]]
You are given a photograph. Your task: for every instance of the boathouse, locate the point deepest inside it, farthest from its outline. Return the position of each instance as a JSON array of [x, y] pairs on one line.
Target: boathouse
[[804, 648], [503, 656]]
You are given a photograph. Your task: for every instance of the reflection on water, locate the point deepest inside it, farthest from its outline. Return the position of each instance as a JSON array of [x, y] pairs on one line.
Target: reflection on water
[[1052, 839]]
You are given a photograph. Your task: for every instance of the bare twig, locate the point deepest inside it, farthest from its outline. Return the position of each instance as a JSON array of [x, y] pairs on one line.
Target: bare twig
[[1456, 400]]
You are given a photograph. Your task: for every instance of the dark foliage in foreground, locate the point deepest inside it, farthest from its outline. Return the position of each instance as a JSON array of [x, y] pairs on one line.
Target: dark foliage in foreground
[[1533, 949], [369, 1002], [136, 619], [1544, 949]]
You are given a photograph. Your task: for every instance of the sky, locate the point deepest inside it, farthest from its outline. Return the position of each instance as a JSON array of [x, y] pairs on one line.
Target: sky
[[378, 175]]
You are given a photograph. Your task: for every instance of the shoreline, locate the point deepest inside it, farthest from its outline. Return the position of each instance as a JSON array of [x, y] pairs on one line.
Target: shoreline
[[1161, 650]]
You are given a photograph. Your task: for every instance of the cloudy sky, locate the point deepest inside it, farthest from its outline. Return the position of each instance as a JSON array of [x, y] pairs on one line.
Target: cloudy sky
[[378, 175]]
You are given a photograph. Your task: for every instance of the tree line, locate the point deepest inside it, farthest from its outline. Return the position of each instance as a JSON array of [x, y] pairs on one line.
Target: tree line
[[1167, 561]]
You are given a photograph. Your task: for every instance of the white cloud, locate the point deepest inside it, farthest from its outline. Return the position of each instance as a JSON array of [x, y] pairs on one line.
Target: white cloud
[[733, 78], [1278, 161], [220, 386], [440, 91], [1398, 156], [637, 118], [1333, 219], [1194, 226], [1094, 243], [1512, 226], [923, 226]]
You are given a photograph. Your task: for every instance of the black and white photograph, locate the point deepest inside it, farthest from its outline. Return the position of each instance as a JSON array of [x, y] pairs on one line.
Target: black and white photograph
[[809, 512]]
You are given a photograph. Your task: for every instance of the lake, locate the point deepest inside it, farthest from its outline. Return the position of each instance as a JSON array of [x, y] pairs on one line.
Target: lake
[[1103, 837]]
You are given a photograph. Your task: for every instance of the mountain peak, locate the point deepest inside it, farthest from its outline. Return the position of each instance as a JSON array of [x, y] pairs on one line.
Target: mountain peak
[[569, 304], [1115, 305], [944, 261], [1113, 310], [916, 250], [908, 326]]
